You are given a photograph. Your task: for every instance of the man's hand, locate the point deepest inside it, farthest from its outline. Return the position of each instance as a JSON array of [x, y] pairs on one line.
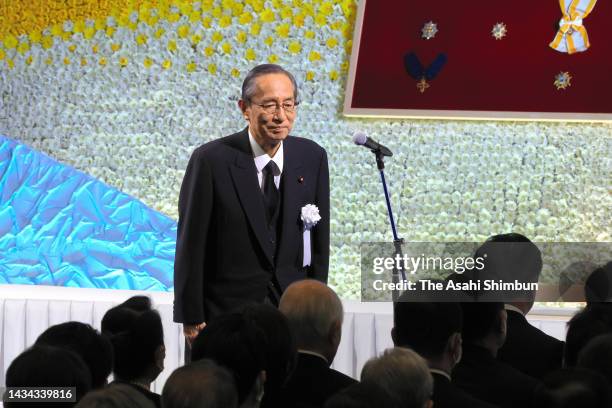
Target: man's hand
[[191, 331]]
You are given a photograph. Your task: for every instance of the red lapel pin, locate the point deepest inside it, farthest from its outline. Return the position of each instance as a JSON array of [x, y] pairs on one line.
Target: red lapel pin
[[300, 179]]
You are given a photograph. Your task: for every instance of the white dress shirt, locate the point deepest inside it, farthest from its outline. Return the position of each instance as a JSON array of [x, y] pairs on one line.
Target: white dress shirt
[[262, 158]]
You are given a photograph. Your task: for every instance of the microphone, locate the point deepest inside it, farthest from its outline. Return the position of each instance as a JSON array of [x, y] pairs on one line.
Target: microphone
[[359, 138]]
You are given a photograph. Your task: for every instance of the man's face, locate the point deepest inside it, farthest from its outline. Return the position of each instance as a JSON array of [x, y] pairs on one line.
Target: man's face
[[272, 91]]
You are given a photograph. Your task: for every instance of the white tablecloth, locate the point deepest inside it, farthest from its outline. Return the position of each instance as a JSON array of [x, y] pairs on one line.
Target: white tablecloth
[[26, 311]]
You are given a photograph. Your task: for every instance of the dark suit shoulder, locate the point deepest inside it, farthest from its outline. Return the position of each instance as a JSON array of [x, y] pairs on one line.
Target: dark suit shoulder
[[314, 382], [219, 147], [529, 349], [447, 395]]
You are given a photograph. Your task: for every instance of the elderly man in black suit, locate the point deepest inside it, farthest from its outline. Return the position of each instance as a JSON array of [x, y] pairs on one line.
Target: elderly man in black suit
[[253, 209], [315, 316]]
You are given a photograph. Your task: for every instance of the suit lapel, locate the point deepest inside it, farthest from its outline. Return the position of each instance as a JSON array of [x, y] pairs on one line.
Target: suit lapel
[[244, 175], [291, 188]]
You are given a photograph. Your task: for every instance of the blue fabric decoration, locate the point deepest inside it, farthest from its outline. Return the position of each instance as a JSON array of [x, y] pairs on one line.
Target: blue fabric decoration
[[415, 68], [61, 227]]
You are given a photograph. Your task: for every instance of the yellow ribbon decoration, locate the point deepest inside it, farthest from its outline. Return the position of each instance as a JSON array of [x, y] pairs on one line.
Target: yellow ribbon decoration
[[572, 35]]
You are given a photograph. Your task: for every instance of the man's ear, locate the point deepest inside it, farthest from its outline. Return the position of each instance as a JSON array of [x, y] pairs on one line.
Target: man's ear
[[429, 404], [454, 347], [243, 107], [160, 356], [335, 333], [394, 336]]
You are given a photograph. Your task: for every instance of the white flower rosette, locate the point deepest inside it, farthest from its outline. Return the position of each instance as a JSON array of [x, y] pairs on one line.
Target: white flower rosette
[[310, 217]]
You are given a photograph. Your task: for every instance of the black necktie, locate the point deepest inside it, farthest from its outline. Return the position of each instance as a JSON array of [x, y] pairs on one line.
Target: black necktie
[[270, 192]]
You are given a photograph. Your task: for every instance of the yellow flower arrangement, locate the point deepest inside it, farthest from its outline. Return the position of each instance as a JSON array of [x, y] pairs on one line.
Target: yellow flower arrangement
[[241, 37], [245, 18], [255, 29], [141, 39], [10, 42], [183, 31], [225, 21], [331, 42], [314, 56], [250, 54], [267, 16], [227, 48], [295, 47], [23, 47], [282, 30]]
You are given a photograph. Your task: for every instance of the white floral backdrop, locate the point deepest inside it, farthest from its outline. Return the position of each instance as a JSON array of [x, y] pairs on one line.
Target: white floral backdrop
[[127, 94]]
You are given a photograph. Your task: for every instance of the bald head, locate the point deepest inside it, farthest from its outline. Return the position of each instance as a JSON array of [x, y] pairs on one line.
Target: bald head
[[315, 315]]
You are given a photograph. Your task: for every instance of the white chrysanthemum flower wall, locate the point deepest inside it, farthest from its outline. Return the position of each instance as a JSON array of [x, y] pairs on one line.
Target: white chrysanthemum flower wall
[[126, 93]]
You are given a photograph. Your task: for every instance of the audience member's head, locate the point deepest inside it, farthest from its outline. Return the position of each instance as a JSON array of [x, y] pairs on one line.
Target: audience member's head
[[598, 286], [571, 388], [584, 326], [484, 324], [432, 329], [281, 352], [404, 376], [202, 384], [511, 257], [137, 336], [236, 342], [315, 315], [47, 366], [115, 396], [112, 321], [597, 356], [362, 395], [95, 349]]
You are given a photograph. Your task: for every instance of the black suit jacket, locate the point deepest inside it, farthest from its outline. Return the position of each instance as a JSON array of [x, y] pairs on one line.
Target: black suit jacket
[[224, 257], [313, 382], [528, 349], [447, 395], [481, 375]]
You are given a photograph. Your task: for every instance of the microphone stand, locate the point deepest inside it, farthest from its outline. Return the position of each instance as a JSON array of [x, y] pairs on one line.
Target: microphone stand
[[397, 241]]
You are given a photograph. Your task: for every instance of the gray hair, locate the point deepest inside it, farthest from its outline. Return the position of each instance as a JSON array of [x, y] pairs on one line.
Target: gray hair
[[203, 383], [249, 85], [403, 374], [311, 307], [115, 396]]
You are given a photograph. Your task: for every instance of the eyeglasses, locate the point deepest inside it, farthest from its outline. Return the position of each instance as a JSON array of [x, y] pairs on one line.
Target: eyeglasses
[[271, 108]]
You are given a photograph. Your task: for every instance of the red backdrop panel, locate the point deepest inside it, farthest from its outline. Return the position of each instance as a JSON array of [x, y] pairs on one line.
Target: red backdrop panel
[[483, 74]]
